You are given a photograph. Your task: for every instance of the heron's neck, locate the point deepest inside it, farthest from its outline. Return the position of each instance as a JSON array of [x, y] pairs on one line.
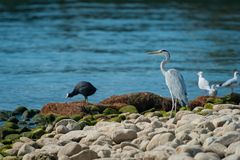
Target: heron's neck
[[162, 64]]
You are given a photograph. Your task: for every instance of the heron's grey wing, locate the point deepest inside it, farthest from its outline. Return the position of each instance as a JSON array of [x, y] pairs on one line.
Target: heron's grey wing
[[229, 82], [176, 84]]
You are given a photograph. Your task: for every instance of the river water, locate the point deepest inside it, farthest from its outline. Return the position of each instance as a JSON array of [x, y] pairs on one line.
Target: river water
[[47, 47]]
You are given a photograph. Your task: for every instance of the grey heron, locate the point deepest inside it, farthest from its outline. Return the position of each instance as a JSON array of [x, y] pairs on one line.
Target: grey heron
[[231, 83], [84, 88], [174, 81]]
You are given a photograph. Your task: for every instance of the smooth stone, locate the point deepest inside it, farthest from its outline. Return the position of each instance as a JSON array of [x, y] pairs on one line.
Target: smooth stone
[[232, 148], [85, 155], [219, 107], [74, 135], [192, 150], [206, 156], [228, 138], [181, 156], [119, 136], [25, 149], [180, 114], [232, 157], [61, 129], [70, 149], [102, 140], [206, 124], [51, 148], [218, 122], [142, 119], [46, 141], [217, 148], [160, 139]]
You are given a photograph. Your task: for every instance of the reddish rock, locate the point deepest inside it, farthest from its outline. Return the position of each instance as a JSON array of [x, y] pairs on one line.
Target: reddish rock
[[71, 108], [199, 101], [142, 101]]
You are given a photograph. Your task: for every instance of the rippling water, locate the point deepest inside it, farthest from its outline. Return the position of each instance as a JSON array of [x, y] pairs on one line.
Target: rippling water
[[47, 47]]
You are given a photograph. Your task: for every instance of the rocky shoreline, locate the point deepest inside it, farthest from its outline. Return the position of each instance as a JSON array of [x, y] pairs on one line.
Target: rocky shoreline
[[132, 126]]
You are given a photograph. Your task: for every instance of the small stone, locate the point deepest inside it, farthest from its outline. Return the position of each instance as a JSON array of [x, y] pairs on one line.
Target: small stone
[[232, 148], [232, 157], [142, 119], [180, 156], [217, 148], [218, 122]]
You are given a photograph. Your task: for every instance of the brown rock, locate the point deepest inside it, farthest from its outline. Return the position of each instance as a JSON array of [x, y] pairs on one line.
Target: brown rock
[[71, 108], [199, 101], [142, 100]]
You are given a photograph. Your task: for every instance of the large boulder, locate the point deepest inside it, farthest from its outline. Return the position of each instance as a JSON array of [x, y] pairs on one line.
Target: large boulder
[[142, 101]]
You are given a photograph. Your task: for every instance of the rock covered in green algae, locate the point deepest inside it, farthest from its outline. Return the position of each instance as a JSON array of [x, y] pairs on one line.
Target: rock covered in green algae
[[128, 109]]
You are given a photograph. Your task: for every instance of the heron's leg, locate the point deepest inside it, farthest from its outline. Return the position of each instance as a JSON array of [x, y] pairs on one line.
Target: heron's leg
[[172, 104], [175, 105]]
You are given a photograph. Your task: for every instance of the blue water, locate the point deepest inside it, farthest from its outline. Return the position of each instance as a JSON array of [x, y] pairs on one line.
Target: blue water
[[47, 47]]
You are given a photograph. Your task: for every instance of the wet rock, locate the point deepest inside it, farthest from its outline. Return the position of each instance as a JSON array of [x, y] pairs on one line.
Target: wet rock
[[19, 110], [13, 119], [29, 113]]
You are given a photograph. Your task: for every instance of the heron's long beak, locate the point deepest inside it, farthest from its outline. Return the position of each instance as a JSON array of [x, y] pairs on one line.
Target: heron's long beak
[[153, 52]]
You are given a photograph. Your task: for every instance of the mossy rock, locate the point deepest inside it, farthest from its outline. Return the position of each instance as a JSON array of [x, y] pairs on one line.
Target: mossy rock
[[87, 118], [112, 115], [4, 148], [7, 141], [27, 134], [38, 119], [11, 158], [6, 131], [157, 113], [12, 136], [29, 113], [110, 111], [77, 117], [23, 129], [185, 108], [128, 109], [10, 125], [208, 106], [122, 117], [57, 119], [197, 109], [149, 110], [50, 118], [115, 119], [165, 113], [4, 115], [216, 100], [19, 110], [97, 116], [13, 119], [37, 133]]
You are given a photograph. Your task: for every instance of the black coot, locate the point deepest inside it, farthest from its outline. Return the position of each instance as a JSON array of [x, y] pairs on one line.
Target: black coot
[[84, 88]]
